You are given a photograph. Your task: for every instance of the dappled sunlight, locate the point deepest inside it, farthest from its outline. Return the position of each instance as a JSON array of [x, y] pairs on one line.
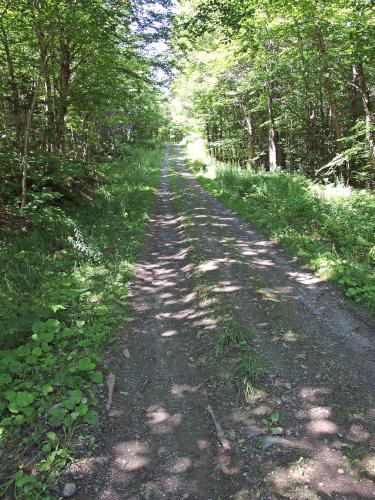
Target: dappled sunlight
[[227, 467], [180, 465], [269, 295], [180, 391], [313, 394], [367, 465], [200, 260], [322, 426], [323, 473], [357, 434], [208, 323], [214, 265], [160, 420], [161, 487], [306, 278], [131, 456], [190, 297], [316, 467], [169, 333], [290, 336], [319, 412], [203, 444], [226, 287], [208, 266], [262, 410]]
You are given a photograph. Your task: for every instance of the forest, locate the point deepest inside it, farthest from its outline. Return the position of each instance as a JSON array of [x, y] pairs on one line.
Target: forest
[[281, 84], [267, 106], [286, 89]]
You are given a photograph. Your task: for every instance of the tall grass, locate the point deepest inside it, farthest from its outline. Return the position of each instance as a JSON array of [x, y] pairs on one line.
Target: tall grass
[[331, 228]]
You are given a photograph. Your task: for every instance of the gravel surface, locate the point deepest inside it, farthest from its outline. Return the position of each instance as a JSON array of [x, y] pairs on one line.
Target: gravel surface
[[176, 401]]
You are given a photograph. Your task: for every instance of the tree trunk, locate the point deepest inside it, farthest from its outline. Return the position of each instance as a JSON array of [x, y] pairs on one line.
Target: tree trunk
[[65, 72], [330, 90], [25, 148], [250, 137], [273, 136], [43, 49], [17, 112], [370, 117]]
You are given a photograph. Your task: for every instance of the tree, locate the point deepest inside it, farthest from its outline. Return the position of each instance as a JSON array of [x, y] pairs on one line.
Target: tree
[[76, 79], [302, 70]]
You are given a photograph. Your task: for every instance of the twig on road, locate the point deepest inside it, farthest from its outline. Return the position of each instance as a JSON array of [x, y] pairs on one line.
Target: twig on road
[[225, 443]]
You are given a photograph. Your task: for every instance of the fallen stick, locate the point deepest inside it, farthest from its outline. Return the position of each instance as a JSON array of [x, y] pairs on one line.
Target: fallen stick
[[196, 388], [225, 443], [144, 384], [110, 383]]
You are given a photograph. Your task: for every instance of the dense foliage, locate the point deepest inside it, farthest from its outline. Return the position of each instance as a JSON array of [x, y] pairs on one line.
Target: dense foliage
[[63, 289], [75, 83], [276, 88], [81, 111], [280, 84]]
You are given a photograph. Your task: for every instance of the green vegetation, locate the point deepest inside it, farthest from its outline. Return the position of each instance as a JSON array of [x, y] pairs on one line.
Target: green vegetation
[[329, 227], [280, 96], [63, 290], [81, 115], [279, 84]]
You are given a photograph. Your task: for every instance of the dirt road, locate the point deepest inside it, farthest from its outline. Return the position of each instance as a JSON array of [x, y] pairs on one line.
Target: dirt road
[[225, 322]]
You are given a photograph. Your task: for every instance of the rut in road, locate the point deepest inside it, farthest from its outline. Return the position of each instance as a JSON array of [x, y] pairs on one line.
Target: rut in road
[[223, 319]]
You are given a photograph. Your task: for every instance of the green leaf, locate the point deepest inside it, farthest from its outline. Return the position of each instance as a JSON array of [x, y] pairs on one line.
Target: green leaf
[[10, 395], [275, 417], [49, 361], [53, 325], [57, 307], [76, 394], [82, 409], [57, 416], [91, 418], [102, 310], [85, 364], [97, 377], [69, 403], [47, 329], [20, 419], [24, 479], [46, 389], [24, 399], [277, 431], [5, 379], [38, 327]]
